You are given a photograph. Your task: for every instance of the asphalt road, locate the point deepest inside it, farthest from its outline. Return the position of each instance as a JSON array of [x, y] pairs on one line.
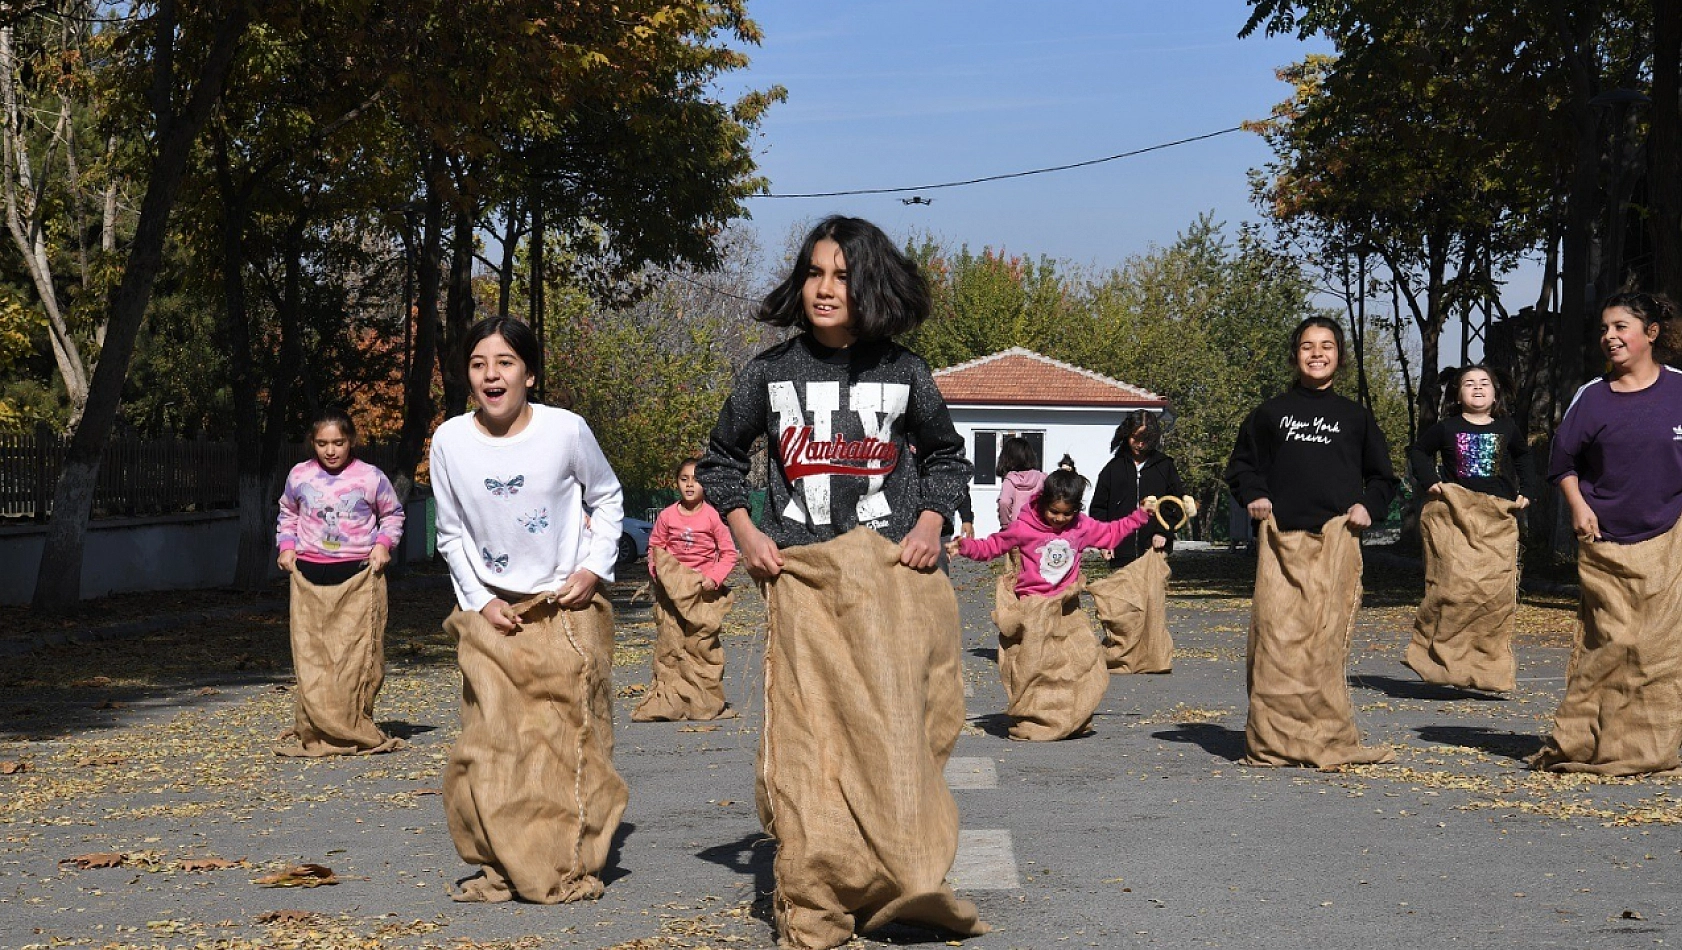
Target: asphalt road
[[1146, 833]]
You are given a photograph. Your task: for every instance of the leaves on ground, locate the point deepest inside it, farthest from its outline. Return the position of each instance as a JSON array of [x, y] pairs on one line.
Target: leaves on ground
[[211, 864], [286, 917], [99, 859], [299, 875]]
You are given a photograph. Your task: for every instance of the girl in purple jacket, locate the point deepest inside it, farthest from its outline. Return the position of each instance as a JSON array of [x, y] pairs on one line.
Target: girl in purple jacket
[[1051, 532], [1617, 459]]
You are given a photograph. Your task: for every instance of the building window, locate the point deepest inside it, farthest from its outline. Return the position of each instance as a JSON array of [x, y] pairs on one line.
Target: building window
[[987, 442]]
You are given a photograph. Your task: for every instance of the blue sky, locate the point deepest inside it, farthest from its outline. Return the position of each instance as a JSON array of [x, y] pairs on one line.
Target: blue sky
[[887, 93]]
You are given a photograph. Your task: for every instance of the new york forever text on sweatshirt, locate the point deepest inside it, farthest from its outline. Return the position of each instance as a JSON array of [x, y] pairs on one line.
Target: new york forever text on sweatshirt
[[1314, 454], [840, 426]]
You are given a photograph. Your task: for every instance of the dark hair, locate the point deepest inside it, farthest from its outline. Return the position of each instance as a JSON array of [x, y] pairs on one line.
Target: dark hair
[[679, 467], [515, 333], [1064, 485], [886, 293], [1653, 310], [1066, 463], [1301, 328], [1134, 422], [334, 416], [1451, 388], [1016, 455]]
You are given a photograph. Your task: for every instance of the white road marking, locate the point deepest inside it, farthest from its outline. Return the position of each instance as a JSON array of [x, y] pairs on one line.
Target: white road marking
[[971, 773], [986, 861]]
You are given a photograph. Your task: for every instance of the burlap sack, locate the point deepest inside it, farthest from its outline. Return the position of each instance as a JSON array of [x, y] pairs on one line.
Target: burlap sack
[[1463, 632], [863, 702], [1622, 711], [688, 659], [1308, 587], [1049, 661], [338, 652], [530, 791], [1133, 607]]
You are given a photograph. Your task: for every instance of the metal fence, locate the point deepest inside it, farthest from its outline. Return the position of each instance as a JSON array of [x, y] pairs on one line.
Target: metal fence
[[140, 477]]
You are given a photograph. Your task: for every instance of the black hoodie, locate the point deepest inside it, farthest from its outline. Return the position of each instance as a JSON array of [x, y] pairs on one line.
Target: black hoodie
[[1122, 485]]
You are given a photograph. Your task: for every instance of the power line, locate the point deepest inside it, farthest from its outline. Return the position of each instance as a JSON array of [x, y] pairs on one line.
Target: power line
[[1033, 171], [706, 287]]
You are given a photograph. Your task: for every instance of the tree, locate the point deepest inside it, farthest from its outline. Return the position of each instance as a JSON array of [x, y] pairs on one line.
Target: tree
[[601, 115], [1514, 92], [651, 376], [185, 53], [61, 213], [987, 302], [1397, 170]]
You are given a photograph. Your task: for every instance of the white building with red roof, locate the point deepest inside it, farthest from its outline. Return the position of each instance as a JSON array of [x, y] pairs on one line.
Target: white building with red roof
[[1061, 408]]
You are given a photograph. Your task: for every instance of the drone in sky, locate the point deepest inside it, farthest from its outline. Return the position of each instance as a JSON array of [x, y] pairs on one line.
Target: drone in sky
[[916, 200]]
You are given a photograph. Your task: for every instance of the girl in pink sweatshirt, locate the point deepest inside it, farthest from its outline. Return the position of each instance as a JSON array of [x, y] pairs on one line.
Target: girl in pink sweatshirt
[[1019, 477], [1051, 532]]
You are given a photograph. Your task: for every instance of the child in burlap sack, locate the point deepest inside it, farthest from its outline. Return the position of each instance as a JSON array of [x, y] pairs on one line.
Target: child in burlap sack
[[863, 680], [1617, 459], [1133, 601], [1314, 468], [1053, 672], [1474, 469], [530, 791], [340, 519], [690, 553]]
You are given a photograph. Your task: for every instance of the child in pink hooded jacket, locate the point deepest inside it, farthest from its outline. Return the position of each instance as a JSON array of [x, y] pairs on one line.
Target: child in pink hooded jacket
[[1019, 475], [1051, 532]]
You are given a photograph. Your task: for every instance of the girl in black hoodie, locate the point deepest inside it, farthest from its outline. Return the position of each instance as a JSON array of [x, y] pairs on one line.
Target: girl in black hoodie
[[1137, 472]]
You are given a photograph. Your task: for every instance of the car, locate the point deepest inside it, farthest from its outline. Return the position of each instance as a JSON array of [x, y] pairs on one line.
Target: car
[[633, 539]]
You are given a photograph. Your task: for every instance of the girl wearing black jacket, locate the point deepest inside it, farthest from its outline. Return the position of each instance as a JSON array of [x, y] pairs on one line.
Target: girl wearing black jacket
[[1137, 472]]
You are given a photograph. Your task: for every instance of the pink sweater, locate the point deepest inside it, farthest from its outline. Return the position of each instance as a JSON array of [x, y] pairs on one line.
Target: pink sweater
[[327, 517], [1015, 492], [1050, 559], [699, 541]]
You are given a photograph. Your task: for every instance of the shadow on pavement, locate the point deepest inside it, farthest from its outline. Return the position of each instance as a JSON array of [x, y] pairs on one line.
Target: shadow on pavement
[[990, 654], [1508, 744], [1397, 688], [405, 730], [613, 871], [1218, 741], [751, 855], [994, 724], [86, 681]]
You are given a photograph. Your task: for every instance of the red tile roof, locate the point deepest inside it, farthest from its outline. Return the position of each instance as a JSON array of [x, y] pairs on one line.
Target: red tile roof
[[1021, 377]]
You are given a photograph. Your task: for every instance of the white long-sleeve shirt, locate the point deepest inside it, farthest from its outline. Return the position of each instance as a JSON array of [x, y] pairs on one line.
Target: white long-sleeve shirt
[[511, 509]]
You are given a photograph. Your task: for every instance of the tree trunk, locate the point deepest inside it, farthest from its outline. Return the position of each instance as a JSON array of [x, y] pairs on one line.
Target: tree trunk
[[1664, 155], [1358, 326], [510, 243], [58, 587], [417, 385], [257, 523], [236, 327], [536, 286], [1396, 324], [458, 314], [1583, 203], [24, 221]]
